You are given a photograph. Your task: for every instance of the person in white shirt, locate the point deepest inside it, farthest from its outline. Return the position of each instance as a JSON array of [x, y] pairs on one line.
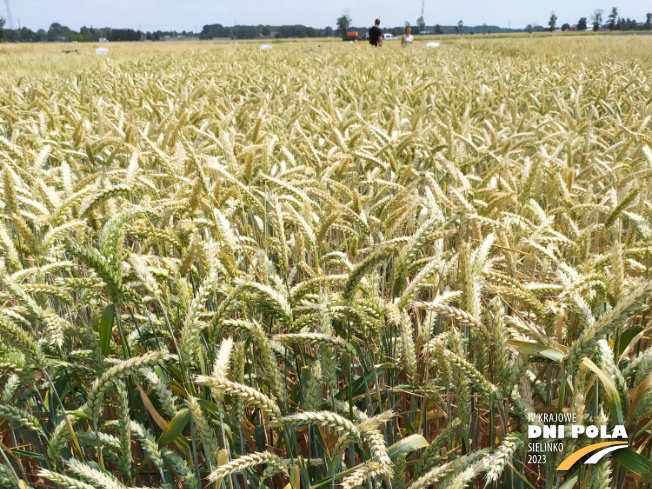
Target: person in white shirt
[[407, 38]]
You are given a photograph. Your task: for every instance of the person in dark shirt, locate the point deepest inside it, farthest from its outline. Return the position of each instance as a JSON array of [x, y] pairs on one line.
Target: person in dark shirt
[[376, 35]]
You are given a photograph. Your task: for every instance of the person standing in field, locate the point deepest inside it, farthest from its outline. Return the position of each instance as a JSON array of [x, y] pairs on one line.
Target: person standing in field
[[376, 35], [407, 37]]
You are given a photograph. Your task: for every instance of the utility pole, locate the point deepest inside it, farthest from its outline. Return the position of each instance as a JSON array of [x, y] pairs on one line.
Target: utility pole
[[421, 20], [9, 19]]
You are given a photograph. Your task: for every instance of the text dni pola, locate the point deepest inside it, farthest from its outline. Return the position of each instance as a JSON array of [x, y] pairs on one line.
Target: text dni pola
[[575, 430]]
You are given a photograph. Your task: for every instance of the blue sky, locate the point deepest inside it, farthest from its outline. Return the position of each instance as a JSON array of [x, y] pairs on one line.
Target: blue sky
[[193, 14]]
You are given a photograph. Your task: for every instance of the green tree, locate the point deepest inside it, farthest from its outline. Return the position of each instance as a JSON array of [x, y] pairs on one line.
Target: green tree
[[581, 24], [343, 24], [438, 29], [59, 33], [613, 19], [2, 25], [421, 24], [459, 27], [552, 22], [648, 21], [565, 27], [596, 18]]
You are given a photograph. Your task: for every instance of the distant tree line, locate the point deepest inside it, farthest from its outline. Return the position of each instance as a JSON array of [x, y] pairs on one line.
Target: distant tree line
[[212, 31], [614, 22], [460, 28], [345, 24], [417, 29], [61, 33], [617, 23]]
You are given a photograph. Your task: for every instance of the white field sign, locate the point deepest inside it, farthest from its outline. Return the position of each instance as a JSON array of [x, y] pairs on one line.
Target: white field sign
[[432, 44], [265, 46], [103, 51]]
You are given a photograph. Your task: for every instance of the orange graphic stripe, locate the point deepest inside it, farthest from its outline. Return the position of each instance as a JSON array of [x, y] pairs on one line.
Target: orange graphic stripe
[[575, 456]]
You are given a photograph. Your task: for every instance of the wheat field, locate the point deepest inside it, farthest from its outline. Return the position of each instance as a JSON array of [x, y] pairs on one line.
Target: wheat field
[[324, 265]]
